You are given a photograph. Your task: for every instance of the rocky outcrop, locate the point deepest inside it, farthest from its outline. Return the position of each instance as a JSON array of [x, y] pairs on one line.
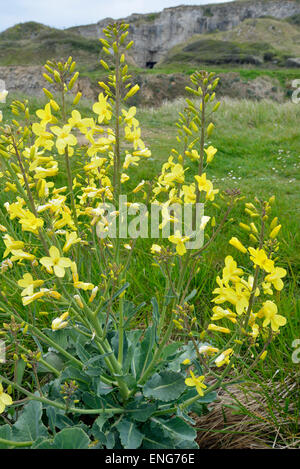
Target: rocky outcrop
[[29, 80], [154, 88], [293, 62], [155, 34]]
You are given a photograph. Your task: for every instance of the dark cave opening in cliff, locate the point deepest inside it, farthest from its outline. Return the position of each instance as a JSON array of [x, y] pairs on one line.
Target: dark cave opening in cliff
[[150, 64]]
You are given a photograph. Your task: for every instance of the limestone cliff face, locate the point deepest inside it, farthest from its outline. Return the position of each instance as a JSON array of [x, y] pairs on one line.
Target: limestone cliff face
[[155, 34]]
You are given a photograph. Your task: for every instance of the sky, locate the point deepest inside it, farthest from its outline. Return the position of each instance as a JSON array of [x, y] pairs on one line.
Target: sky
[[66, 13]]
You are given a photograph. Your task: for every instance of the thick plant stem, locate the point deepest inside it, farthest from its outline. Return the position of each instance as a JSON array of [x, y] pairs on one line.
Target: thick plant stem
[[117, 159], [16, 444], [29, 195], [70, 187], [58, 405], [111, 361], [169, 330]]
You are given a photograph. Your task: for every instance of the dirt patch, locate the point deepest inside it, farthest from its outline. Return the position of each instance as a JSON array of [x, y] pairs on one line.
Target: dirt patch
[[154, 88]]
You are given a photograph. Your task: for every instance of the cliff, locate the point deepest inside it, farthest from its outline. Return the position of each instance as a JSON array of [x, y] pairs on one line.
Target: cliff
[[155, 34]]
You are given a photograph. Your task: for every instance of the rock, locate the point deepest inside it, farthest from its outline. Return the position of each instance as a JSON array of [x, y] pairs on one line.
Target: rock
[[155, 34], [154, 88], [293, 62], [254, 59], [29, 80]]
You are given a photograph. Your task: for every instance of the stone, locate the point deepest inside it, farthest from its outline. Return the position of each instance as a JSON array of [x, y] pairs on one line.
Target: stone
[[155, 34], [293, 62]]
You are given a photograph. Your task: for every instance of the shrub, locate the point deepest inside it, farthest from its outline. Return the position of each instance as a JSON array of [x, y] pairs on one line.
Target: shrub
[[88, 376]]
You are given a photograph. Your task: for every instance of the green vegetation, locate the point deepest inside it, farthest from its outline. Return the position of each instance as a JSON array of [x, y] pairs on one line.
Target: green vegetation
[[32, 44], [258, 41], [258, 153], [212, 51]]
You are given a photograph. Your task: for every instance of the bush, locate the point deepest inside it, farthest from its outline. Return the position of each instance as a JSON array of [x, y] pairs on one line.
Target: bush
[[91, 375]]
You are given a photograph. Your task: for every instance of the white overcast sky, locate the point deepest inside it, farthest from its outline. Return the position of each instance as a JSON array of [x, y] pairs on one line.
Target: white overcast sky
[[66, 13]]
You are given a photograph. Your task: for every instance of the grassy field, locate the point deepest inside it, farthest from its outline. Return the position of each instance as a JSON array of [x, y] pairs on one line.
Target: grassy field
[[258, 153]]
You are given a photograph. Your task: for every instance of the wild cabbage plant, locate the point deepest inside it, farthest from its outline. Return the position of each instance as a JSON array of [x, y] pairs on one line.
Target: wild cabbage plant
[[81, 370]]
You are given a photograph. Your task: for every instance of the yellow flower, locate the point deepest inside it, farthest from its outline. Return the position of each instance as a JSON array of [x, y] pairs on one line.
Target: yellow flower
[[237, 244], [129, 116], [275, 231], [19, 255], [275, 278], [44, 137], [84, 286], [214, 327], [197, 382], [260, 258], [231, 271], [31, 223], [5, 399], [203, 183], [176, 175], [71, 238], [189, 194], [29, 284], [45, 115], [220, 313], [130, 160], [208, 349], [269, 311], [155, 249], [187, 361], [179, 241], [59, 323], [56, 262], [224, 358], [102, 108], [263, 355], [64, 139], [124, 178], [26, 300], [93, 295], [139, 187], [210, 153], [11, 244]]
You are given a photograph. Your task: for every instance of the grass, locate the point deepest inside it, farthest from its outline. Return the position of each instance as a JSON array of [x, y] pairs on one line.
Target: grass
[[269, 39], [259, 153], [33, 43]]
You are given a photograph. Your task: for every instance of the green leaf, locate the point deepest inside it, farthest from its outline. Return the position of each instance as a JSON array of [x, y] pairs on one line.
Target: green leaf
[[131, 437], [156, 438], [20, 368], [6, 434], [165, 386], [190, 296], [53, 359], [57, 419], [177, 427], [29, 425], [140, 410], [69, 438], [143, 352], [133, 338], [130, 310], [103, 388]]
